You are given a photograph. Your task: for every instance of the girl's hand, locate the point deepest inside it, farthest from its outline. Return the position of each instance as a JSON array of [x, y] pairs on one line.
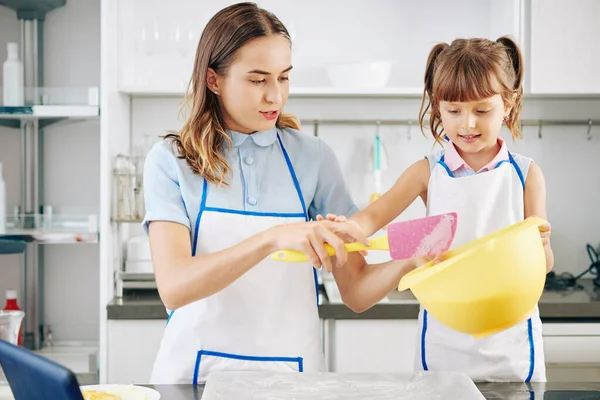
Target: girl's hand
[[545, 231]]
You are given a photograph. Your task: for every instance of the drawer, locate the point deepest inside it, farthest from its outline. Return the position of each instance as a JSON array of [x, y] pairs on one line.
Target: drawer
[[79, 359], [573, 372], [572, 349]]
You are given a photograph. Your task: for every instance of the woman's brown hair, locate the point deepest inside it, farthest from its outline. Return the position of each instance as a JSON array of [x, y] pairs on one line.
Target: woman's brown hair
[[471, 70], [203, 137]]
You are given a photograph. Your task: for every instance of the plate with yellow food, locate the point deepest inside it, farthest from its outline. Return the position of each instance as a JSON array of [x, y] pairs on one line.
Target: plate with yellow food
[[118, 392]]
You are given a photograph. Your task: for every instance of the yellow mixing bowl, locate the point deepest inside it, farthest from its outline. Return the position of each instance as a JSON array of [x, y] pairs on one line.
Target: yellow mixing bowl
[[487, 285]]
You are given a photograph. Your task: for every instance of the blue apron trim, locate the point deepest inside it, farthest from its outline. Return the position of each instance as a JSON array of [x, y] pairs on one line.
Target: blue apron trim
[[423, 332], [294, 178], [201, 353], [443, 164], [510, 159], [500, 163], [202, 207], [531, 350], [254, 213], [514, 163], [170, 315]]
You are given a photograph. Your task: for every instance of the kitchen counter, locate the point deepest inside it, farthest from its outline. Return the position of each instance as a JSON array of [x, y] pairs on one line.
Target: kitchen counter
[[572, 306], [555, 391]]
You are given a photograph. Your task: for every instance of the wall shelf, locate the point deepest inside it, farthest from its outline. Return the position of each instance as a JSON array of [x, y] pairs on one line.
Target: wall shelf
[[12, 117], [336, 92], [55, 229], [32, 8], [325, 91], [49, 105]]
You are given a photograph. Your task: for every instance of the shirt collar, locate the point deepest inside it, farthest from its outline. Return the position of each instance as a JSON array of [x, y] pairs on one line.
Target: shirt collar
[[454, 161], [262, 138]]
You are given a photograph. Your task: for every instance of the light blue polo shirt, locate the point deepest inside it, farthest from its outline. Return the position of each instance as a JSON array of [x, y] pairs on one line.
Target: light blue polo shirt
[[259, 179]]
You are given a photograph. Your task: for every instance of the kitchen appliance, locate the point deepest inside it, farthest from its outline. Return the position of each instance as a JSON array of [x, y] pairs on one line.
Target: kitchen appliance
[[128, 188], [138, 256], [567, 282]]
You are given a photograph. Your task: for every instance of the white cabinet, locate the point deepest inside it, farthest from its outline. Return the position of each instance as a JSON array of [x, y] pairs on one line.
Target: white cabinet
[[132, 348], [369, 345], [564, 56], [572, 352], [157, 44]]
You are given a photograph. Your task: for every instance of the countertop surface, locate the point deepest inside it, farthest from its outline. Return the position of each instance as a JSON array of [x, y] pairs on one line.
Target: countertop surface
[[512, 391], [575, 305], [548, 391]]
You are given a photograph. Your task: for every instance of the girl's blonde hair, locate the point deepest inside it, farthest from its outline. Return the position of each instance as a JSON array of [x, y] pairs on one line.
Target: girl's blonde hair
[[203, 137], [470, 70]]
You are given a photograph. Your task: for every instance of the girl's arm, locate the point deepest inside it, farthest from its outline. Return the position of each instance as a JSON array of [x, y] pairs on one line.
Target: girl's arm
[[362, 285], [410, 185], [535, 205]]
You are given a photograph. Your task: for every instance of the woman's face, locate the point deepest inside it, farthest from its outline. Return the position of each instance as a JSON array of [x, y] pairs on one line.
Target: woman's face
[[255, 88]]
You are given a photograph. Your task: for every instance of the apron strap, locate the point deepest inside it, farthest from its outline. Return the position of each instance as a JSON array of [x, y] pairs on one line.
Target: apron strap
[[294, 178]]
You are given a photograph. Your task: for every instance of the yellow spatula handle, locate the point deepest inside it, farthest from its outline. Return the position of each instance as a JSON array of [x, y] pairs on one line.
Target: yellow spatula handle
[[379, 243], [298, 256]]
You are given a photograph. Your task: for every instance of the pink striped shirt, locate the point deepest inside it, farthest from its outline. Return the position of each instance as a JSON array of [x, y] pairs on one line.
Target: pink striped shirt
[[455, 162]]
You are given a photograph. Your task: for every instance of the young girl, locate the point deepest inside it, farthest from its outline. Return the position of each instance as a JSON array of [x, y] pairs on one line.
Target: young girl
[[236, 184], [472, 88]]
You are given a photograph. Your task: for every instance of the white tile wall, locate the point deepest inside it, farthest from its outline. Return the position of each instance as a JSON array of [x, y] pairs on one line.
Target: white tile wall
[[569, 161]]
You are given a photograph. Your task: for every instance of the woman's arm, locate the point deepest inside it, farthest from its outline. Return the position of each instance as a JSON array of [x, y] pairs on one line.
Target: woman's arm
[[182, 279], [535, 205]]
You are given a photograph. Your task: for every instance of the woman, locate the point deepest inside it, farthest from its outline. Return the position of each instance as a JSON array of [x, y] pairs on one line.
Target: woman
[[236, 184]]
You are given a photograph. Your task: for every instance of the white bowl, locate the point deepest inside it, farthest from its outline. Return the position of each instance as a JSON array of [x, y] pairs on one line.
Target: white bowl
[[360, 75]]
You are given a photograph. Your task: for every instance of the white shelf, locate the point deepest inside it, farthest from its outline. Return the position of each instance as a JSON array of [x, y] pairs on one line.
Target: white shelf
[[52, 104], [55, 229], [48, 111], [330, 91]]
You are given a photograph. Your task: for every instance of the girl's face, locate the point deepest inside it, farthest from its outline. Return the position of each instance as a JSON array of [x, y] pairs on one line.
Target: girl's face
[[256, 87], [473, 126]]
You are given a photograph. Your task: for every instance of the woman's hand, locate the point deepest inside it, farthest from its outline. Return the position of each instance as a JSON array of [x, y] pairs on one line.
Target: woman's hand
[[343, 219], [310, 238]]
